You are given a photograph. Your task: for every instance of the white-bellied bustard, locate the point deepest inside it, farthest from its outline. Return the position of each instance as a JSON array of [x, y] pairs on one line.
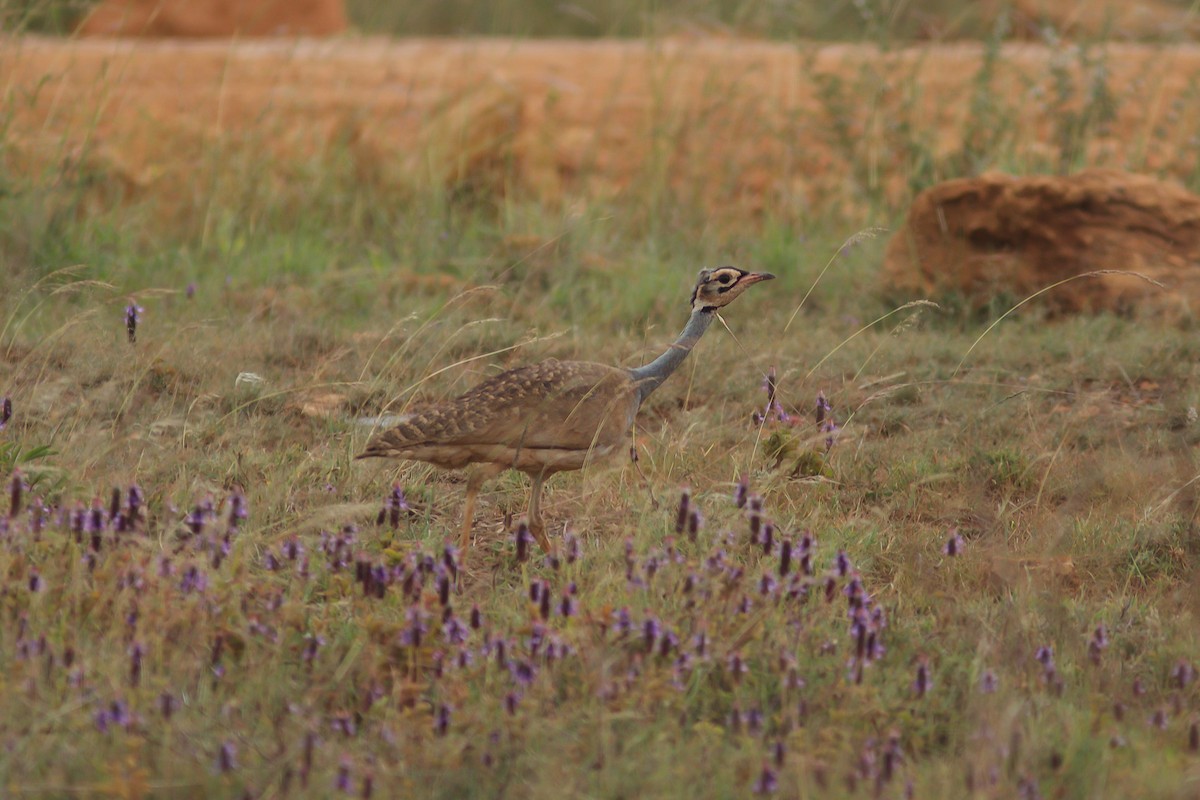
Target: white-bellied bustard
[[551, 416]]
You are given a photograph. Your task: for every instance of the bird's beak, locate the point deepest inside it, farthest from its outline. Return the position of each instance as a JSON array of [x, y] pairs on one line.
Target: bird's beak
[[757, 277]]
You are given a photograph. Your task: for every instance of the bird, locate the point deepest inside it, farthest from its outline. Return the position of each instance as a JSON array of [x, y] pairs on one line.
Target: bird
[[551, 416]]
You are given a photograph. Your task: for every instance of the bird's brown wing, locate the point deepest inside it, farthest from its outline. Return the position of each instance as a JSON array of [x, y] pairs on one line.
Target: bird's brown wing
[[551, 404]]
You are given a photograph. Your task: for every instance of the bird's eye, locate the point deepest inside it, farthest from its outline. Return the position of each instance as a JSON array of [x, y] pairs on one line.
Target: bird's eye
[[725, 277]]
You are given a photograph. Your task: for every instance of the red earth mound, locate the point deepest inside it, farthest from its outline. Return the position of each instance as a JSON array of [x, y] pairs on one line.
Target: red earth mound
[[997, 233], [215, 18]]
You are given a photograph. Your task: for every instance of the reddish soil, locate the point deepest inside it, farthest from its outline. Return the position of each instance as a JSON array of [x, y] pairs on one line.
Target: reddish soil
[[996, 232]]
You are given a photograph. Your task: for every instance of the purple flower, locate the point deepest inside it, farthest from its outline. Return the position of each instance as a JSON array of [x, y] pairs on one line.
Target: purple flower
[[650, 632], [35, 580], [342, 781], [1183, 673], [954, 545], [190, 291], [523, 673], [572, 547], [739, 493], [412, 634], [524, 539], [1159, 719], [841, 564], [681, 517], [227, 757], [393, 504], [988, 682], [441, 721], [237, 508], [923, 682], [1045, 656], [767, 782], [830, 429], [823, 407], [770, 385], [193, 580], [133, 314], [6, 412], [454, 632], [18, 485], [736, 666], [312, 644], [136, 651], [1097, 644]]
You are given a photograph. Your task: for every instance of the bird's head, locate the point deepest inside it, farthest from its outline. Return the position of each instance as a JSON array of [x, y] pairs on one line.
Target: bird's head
[[717, 288]]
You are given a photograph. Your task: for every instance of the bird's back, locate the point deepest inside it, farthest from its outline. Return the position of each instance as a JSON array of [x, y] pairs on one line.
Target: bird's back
[[546, 415]]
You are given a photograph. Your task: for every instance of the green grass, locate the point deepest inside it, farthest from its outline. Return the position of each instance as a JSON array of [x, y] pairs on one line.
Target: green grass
[[1062, 452]]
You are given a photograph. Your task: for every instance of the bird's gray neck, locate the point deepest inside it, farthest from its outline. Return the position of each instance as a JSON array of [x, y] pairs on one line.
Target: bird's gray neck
[[651, 376]]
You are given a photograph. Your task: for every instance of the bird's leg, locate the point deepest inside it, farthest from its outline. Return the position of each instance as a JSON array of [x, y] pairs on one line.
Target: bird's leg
[[536, 527], [474, 482]]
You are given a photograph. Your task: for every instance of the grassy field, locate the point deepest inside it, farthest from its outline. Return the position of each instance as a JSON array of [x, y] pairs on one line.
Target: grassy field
[[991, 584]]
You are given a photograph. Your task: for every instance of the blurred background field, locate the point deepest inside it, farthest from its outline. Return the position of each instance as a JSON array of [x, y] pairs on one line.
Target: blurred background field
[[312, 231]]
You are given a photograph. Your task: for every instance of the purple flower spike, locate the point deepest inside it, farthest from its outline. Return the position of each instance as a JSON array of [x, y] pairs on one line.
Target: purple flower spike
[[1097, 645], [685, 504], [767, 782], [923, 682], [441, 722], [830, 429], [227, 757], [841, 564], [954, 545], [524, 539], [342, 781], [737, 666], [190, 291], [133, 315], [785, 558], [988, 682], [135, 663], [741, 492], [1045, 656], [823, 407], [5, 412], [1183, 673], [18, 485]]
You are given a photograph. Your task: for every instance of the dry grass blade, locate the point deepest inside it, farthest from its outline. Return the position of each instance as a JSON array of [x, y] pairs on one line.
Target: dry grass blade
[[1039, 293]]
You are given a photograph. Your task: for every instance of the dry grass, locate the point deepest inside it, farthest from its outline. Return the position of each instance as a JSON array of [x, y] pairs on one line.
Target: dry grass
[[1062, 454], [749, 128]]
